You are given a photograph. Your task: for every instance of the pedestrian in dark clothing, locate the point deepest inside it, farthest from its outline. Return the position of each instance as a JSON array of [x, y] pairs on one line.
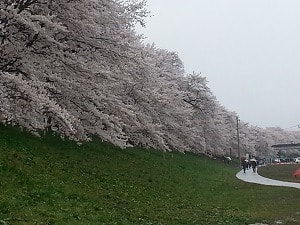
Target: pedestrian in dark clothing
[[248, 164], [253, 164], [244, 165]]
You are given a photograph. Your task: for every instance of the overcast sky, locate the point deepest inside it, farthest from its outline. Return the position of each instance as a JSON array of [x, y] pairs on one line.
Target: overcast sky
[[249, 50]]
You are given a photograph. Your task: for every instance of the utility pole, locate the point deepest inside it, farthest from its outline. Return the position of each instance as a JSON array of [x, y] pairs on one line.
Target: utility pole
[[238, 139]]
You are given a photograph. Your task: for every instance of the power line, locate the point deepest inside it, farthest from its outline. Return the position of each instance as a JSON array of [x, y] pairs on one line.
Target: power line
[[298, 126]]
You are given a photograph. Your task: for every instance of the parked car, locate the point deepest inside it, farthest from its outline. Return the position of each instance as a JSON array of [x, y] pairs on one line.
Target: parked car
[[277, 160], [283, 160], [297, 160]]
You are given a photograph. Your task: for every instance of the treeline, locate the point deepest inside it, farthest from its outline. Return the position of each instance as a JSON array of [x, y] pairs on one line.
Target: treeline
[[78, 68]]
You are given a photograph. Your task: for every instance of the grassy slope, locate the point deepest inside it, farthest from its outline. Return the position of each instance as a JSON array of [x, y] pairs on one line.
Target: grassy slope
[[49, 181]]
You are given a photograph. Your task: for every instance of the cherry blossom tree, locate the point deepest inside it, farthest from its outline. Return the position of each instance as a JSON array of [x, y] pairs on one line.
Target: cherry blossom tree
[[58, 59], [78, 68]]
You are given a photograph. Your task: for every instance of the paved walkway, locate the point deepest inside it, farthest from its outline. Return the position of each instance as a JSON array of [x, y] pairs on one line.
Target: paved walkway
[[251, 177]]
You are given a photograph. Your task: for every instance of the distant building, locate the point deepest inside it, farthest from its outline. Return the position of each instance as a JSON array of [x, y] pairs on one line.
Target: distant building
[[286, 152], [286, 147]]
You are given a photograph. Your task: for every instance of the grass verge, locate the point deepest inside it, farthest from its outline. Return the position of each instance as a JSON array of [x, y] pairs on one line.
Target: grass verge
[[282, 172]]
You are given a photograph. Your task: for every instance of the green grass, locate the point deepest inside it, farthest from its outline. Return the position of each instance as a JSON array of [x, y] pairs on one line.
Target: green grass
[[50, 181], [282, 172]]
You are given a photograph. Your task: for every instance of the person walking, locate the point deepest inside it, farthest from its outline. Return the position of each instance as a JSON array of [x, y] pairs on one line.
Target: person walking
[[244, 165], [253, 164]]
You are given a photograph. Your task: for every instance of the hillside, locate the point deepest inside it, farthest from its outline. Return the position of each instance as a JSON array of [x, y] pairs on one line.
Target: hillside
[[51, 181]]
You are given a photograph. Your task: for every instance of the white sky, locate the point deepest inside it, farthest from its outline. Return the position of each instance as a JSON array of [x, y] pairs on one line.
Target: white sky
[[249, 50]]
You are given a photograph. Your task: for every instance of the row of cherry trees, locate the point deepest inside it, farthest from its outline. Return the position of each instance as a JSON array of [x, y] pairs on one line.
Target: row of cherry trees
[[78, 68]]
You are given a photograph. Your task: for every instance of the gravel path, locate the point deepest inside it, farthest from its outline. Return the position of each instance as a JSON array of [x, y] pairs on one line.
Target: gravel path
[[251, 177]]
